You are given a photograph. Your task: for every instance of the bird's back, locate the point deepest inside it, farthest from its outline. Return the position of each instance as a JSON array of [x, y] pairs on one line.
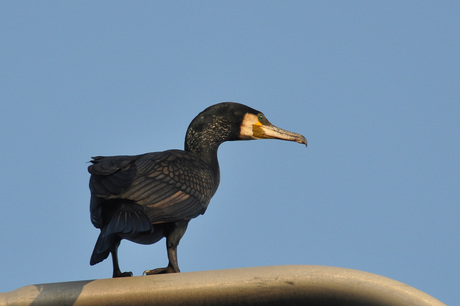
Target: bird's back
[[168, 186]]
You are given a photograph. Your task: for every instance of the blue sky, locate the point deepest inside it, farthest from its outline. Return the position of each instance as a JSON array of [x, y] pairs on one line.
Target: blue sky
[[374, 87]]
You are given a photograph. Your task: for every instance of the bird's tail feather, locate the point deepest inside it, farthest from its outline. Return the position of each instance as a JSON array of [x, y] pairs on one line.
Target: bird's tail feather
[[102, 248], [128, 220]]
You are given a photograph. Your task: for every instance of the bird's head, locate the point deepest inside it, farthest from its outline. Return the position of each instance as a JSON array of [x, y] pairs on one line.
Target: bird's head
[[233, 121]]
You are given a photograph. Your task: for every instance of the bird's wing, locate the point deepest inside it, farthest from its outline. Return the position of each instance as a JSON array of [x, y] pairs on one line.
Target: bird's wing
[[170, 186]]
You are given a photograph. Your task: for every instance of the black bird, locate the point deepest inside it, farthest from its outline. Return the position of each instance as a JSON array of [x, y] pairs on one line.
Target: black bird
[[146, 197]]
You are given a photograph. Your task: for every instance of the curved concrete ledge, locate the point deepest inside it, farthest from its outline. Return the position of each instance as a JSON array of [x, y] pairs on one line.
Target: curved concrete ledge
[[289, 285]]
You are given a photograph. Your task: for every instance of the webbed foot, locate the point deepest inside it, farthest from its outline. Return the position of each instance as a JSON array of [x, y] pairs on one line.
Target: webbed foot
[[124, 274], [160, 271]]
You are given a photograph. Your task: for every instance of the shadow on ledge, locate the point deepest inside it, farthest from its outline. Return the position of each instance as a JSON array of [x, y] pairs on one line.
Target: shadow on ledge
[[277, 285]]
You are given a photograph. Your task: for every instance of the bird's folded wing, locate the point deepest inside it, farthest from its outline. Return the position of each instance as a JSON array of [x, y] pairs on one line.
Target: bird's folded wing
[[171, 185]]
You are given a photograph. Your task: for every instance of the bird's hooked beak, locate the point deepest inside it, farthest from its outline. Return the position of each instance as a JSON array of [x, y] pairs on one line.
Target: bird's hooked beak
[[258, 127]]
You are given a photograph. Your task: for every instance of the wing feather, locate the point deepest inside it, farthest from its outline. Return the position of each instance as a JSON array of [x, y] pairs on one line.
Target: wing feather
[[170, 186]]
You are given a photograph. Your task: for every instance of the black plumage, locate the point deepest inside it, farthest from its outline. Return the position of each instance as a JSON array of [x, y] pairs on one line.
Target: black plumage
[[146, 197]]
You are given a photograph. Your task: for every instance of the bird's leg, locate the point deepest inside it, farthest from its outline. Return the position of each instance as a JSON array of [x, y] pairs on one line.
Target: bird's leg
[[116, 267], [172, 241], [172, 265]]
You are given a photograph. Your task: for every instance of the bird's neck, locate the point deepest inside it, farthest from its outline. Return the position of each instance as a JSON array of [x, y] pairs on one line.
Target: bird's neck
[[206, 150], [205, 134], [204, 144]]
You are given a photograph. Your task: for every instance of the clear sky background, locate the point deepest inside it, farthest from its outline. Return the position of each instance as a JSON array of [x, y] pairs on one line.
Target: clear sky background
[[374, 87]]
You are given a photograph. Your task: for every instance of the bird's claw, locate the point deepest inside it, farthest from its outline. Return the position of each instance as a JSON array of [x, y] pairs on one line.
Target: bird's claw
[[124, 274], [159, 271]]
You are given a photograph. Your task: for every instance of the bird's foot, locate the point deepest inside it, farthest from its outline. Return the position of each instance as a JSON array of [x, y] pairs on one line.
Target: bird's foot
[[124, 274], [160, 271]]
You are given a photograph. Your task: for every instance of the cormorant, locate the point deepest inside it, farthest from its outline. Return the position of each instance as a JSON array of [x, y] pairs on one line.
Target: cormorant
[[146, 197]]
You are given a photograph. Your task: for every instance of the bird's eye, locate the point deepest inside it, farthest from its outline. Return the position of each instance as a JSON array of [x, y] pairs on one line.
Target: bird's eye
[[261, 118]]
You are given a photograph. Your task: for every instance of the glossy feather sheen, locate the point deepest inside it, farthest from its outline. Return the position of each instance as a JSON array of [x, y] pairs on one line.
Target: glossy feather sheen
[[171, 185]]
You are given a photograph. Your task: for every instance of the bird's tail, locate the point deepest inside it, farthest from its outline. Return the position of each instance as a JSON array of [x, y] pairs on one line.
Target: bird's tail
[[102, 248], [128, 221]]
